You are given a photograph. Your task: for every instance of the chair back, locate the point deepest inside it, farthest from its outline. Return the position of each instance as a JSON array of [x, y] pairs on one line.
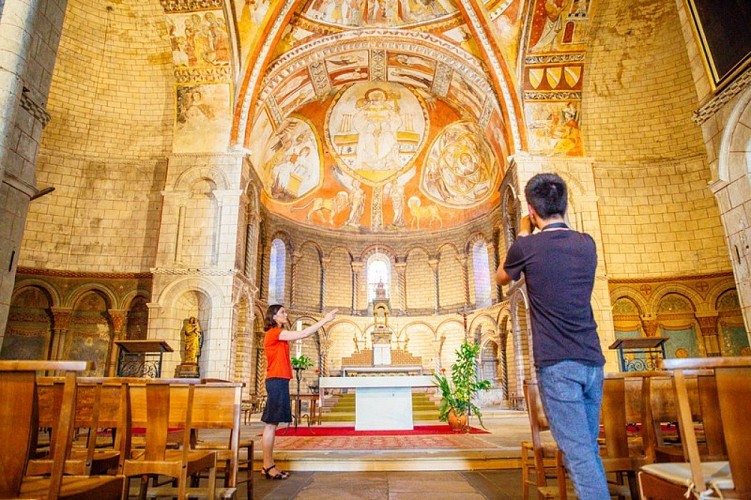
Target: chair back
[[19, 420], [732, 376]]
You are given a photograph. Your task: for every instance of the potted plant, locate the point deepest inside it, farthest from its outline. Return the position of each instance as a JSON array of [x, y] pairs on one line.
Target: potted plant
[[457, 392], [300, 363]]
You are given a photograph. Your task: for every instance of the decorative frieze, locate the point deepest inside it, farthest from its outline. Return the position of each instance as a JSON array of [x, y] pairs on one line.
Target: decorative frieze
[[36, 110]]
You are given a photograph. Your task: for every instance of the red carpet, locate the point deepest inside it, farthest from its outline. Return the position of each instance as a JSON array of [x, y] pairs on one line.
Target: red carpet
[[419, 430]]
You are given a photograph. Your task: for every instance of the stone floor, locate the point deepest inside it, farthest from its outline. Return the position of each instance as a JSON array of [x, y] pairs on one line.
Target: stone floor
[[507, 430], [449, 485]]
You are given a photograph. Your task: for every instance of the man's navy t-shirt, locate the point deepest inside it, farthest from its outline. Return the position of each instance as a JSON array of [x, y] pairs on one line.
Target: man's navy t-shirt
[[559, 268]]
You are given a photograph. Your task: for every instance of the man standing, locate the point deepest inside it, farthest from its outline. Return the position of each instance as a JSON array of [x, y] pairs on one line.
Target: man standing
[[559, 268]]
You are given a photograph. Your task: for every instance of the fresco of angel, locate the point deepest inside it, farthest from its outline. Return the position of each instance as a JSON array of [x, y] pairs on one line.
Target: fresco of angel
[[356, 197], [394, 191]]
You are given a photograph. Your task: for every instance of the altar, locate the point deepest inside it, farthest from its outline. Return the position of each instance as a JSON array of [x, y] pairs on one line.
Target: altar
[[381, 403]]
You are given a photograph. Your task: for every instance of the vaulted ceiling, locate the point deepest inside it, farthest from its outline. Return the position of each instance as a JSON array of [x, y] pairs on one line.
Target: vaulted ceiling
[[380, 115]]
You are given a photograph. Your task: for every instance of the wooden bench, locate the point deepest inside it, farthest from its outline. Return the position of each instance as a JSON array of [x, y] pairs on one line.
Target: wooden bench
[[18, 429]]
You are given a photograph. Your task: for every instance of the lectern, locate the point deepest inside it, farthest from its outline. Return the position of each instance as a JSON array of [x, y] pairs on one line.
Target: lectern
[[640, 353], [141, 358]]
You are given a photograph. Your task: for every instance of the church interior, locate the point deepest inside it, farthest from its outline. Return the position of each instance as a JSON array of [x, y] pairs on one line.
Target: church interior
[[176, 165]]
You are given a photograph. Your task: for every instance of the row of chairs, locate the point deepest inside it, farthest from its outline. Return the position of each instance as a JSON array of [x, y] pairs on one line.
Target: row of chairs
[[151, 431], [704, 396]]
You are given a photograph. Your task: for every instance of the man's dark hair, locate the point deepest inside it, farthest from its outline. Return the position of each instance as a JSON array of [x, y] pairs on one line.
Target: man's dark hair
[[547, 194], [269, 322]]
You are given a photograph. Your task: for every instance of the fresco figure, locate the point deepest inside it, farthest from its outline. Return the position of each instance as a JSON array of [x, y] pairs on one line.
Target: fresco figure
[[377, 120], [553, 23], [193, 339], [357, 198], [289, 174], [395, 191]]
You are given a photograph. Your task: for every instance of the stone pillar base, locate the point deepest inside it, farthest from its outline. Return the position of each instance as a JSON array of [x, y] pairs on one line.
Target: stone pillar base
[[187, 370]]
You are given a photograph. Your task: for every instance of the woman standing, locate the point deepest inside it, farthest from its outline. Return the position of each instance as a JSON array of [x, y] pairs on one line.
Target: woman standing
[[278, 374]]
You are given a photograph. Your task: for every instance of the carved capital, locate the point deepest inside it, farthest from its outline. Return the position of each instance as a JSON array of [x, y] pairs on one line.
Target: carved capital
[[61, 317], [119, 318], [650, 325], [707, 325]]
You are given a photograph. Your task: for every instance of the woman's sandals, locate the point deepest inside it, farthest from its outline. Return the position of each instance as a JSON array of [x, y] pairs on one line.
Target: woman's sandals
[[266, 471]]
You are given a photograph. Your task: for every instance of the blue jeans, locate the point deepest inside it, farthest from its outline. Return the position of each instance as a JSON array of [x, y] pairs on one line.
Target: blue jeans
[[571, 394]]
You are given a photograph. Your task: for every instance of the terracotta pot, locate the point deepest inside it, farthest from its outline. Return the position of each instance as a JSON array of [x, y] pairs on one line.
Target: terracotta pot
[[458, 423]]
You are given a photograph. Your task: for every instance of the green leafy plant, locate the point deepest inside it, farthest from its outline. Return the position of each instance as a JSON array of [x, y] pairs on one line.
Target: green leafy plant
[[302, 362], [457, 393]]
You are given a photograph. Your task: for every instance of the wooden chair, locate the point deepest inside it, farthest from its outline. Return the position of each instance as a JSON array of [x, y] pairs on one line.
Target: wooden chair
[[535, 471], [158, 406], [217, 406], [100, 404], [625, 402], [731, 478], [18, 431], [704, 406]]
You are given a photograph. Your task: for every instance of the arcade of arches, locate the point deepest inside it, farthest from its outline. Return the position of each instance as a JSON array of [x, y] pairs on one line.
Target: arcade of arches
[[162, 160]]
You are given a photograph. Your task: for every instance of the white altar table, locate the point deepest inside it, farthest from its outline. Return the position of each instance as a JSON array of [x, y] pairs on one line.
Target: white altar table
[[381, 403]]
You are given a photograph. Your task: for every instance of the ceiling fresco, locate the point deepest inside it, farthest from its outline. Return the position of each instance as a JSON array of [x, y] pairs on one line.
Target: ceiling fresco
[[388, 162], [379, 115]]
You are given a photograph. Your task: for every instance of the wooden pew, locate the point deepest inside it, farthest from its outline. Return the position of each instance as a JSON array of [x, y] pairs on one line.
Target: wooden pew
[[158, 406], [732, 478], [101, 403], [19, 427]]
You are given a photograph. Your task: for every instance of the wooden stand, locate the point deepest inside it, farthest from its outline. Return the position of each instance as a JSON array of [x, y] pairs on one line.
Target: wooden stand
[[141, 358]]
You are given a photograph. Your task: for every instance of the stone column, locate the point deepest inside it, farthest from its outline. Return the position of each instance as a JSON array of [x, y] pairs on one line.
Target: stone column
[[296, 256], [357, 269], [29, 35], [401, 283], [119, 318], [324, 278], [437, 348], [61, 317], [462, 258], [433, 263], [708, 328]]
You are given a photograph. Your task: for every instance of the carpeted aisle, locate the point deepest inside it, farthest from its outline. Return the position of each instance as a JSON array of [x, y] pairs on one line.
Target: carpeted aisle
[[433, 437], [350, 431]]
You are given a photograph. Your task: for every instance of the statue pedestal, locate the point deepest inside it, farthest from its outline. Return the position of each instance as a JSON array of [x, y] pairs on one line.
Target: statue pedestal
[[187, 370]]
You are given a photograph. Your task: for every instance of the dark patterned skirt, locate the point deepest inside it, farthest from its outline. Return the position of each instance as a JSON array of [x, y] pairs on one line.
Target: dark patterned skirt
[[278, 408]]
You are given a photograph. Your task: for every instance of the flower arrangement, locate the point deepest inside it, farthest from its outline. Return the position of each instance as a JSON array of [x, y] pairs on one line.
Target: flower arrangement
[[456, 393]]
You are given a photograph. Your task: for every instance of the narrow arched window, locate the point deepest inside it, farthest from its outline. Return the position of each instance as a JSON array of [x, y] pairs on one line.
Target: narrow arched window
[[481, 269], [379, 276], [277, 272]]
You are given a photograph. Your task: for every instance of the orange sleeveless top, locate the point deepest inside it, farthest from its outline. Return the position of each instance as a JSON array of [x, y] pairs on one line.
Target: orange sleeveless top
[[278, 364]]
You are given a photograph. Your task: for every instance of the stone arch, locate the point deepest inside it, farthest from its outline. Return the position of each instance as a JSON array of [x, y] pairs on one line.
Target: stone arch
[[690, 294], [29, 332], [75, 294], [196, 174], [52, 292], [734, 174], [451, 271], [632, 295], [422, 44], [420, 275]]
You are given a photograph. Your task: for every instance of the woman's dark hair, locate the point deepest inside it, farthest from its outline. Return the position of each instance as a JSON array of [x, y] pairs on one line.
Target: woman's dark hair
[[269, 322], [547, 194]]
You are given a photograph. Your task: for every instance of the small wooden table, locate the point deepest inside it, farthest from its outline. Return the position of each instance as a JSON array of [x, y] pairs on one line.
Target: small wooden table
[[312, 415]]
